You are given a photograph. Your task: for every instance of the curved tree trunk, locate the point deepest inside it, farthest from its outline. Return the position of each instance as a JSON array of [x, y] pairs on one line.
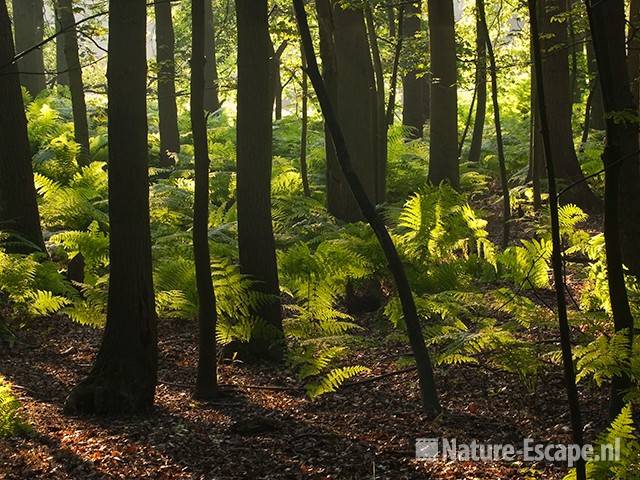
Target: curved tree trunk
[[167, 108], [28, 22], [18, 206], [255, 230], [124, 375], [555, 72], [207, 379], [481, 95], [64, 12], [212, 87], [412, 84], [444, 165]]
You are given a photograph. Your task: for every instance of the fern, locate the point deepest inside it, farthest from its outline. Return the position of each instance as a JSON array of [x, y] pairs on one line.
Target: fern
[[333, 380], [11, 422]]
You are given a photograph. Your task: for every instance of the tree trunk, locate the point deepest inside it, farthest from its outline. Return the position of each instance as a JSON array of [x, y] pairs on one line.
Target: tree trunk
[[207, 379], [412, 85], [124, 375], [381, 166], [506, 205], [607, 27], [633, 53], [429, 394], [18, 207], [556, 260], [62, 77], [555, 71], [304, 130], [212, 83], [70, 40], [167, 108], [254, 125], [28, 22], [481, 96], [443, 159], [276, 76], [597, 109], [356, 106], [393, 84]]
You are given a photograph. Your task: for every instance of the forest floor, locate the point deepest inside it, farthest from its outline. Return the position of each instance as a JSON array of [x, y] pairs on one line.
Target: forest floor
[[272, 434]]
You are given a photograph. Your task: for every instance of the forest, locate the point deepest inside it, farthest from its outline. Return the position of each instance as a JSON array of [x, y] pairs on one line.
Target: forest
[[324, 239]]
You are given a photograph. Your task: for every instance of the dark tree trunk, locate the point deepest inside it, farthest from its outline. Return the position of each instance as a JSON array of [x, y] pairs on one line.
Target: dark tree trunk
[[276, 76], [207, 379], [393, 87], [620, 157], [481, 96], [212, 82], [429, 394], [62, 77], [304, 130], [167, 108], [380, 99], [18, 206], [443, 159], [506, 206], [556, 260], [124, 375], [536, 154], [596, 120], [412, 85], [356, 106], [70, 40], [28, 22], [254, 124], [555, 70], [633, 53]]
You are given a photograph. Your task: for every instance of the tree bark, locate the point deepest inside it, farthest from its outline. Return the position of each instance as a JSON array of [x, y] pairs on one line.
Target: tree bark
[[124, 375], [556, 260], [356, 108], [481, 96], [64, 11], [444, 165], [254, 132], [393, 87], [28, 20], [62, 78], [167, 108], [212, 101], [18, 207], [633, 52], [412, 86], [207, 378], [607, 29], [429, 395], [555, 74], [304, 130]]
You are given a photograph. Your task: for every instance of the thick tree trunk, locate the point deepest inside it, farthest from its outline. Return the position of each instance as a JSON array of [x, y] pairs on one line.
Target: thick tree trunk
[[124, 375], [620, 158], [18, 207], [356, 105], [167, 108], [596, 120], [481, 96], [412, 85], [429, 394], [212, 82], [207, 379], [556, 258], [70, 40], [254, 124], [555, 70], [28, 22], [443, 148]]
